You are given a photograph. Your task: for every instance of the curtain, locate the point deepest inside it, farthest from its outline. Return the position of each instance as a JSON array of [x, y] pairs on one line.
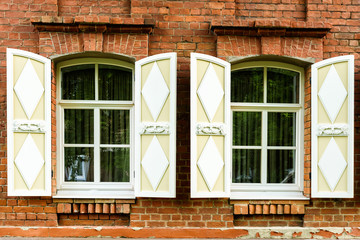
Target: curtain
[[247, 85], [282, 86], [115, 161], [246, 132], [78, 82], [115, 83], [79, 129]]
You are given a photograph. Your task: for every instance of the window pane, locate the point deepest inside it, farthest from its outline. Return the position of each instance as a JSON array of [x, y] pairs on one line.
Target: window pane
[[281, 166], [281, 129], [115, 126], [79, 164], [282, 86], [115, 83], [247, 128], [78, 82], [115, 164], [247, 85], [246, 165], [79, 126]]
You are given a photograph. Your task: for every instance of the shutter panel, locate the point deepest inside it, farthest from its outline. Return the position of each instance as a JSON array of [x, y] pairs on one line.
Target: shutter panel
[[332, 128], [155, 126], [210, 119], [28, 124]]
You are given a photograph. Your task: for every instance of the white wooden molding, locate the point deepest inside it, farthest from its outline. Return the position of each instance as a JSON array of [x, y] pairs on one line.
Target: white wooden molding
[[155, 128], [29, 126], [333, 130], [210, 129]]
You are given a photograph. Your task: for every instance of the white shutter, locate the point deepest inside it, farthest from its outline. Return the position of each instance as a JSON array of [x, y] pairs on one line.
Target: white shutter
[[210, 126], [28, 124], [155, 126], [332, 128]]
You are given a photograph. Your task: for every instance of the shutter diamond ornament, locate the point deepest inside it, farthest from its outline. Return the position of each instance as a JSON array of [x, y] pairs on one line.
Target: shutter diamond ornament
[[332, 93], [29, 79], [155, 163], [332, 164], [210, 163], [155, 91], [210, 92], [29, 161]]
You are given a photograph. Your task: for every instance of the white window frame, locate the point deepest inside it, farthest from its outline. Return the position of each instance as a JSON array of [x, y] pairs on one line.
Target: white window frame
[[263, 190], [94, 189]]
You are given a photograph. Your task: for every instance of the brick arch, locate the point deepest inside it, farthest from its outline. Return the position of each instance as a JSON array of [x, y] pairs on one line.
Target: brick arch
[[298, 47], [61, 43]]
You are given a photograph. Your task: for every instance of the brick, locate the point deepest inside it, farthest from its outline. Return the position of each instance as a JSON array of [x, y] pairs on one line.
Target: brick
[[98, 208], [76, 208], [90, 208]]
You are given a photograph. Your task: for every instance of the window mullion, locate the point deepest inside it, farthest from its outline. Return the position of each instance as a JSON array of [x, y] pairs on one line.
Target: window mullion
[[264, 148], [96, 145]]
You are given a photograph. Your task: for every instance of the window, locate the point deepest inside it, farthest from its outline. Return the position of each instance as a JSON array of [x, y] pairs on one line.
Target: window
[[95, 126], [267, 129]]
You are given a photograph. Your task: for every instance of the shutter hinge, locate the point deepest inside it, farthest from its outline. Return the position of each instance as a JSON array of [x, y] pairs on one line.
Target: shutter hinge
[[52, 173], [134, 174]]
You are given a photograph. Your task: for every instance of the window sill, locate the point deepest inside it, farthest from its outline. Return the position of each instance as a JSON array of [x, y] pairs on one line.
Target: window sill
[[267, 196], [94, 194]]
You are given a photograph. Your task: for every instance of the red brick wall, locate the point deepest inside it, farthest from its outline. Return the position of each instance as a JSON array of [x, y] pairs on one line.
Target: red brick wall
[[183, 27]]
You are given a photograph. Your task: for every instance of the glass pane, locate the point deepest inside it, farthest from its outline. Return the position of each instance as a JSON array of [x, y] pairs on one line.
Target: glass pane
[[247, 85], [281, 129], [247, 128], [115, 83], [115, 164], [78, 82], [282, 86], [115, 126], [79, 126], [281, 166], [79, 164], [246, 165]]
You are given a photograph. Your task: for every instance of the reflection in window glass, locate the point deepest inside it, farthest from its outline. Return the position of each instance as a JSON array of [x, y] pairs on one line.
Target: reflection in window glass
[[78, 82], [282, 86], [79, 164], [246, 165], [247, 128], [79, 126], [281, 129], [115, 164], [115, 83], [281, 166], [247, 85], [115, 126]]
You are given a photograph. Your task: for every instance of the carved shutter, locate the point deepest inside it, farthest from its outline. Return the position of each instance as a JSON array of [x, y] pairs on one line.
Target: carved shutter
[[28, 124], [332, 136], [155, 126], [210, 119]]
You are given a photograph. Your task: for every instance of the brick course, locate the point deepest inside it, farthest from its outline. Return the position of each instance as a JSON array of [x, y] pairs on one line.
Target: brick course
[[183, 27]]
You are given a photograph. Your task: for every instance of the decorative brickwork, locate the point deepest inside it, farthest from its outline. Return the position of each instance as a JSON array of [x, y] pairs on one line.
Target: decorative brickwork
[[269, 207], [312, 29]]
